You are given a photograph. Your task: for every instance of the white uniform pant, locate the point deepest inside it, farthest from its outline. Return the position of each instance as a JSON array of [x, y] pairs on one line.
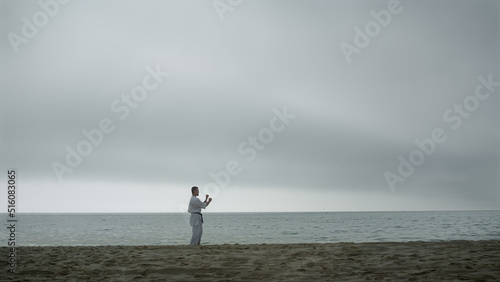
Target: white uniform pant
[[197, 229]]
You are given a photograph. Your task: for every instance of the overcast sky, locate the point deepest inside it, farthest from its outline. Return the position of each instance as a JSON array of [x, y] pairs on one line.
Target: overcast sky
[[307, 111]]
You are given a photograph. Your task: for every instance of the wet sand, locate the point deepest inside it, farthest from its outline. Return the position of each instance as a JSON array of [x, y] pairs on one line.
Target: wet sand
[[411, 261]]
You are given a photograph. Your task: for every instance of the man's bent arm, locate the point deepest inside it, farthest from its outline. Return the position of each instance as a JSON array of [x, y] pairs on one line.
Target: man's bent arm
[[200, 204]]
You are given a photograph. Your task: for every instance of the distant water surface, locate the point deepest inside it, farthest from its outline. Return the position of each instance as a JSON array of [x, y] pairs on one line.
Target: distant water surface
[[252, 228]]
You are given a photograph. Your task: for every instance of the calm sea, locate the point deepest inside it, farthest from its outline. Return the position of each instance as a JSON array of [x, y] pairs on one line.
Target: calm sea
[[252, 228]]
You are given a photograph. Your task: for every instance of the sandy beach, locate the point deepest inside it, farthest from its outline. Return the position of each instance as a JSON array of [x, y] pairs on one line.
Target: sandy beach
[[412, 261]]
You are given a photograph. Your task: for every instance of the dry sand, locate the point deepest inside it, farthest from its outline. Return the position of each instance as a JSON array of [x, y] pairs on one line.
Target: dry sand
[[412, 261]]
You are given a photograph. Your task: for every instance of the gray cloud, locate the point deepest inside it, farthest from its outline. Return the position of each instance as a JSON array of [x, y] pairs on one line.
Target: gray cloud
[[226, 77]]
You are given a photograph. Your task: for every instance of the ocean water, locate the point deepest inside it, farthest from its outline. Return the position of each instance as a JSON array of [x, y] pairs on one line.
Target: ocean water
[[251, 228]]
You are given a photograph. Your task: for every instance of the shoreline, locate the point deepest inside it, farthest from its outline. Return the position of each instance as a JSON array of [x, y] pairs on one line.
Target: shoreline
[[344, 261], [255, 244]]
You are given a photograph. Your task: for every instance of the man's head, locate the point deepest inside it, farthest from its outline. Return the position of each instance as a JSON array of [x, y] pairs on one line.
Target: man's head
[[195, 191]]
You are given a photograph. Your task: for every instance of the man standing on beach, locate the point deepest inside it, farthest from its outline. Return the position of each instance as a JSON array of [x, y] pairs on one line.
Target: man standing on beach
[[194, 208]]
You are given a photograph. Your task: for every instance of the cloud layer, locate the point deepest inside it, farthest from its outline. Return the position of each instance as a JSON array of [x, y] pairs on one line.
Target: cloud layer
[[353, 120]]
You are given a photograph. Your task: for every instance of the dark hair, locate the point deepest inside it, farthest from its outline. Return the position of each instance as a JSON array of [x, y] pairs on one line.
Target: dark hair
[[193, 189]]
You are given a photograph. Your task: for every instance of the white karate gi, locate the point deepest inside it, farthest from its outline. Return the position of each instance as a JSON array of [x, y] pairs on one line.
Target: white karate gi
[[195, 205]]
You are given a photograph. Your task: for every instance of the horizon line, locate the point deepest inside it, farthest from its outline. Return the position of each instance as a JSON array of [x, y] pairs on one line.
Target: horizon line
[[213, 212]]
